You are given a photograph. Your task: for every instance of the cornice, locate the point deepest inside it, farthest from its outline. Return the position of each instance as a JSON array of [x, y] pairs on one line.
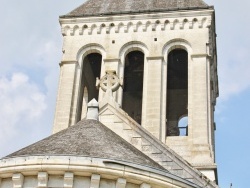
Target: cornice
[[155, 58], [32, 165], [139, 16], [146, 22], [67, 62], [111, 60], [199, 56]]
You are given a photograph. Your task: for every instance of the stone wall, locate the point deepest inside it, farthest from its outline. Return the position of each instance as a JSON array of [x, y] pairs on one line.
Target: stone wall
[[82, 172]]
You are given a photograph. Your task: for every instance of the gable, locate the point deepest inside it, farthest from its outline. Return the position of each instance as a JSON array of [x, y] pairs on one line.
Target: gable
[[118, 121]]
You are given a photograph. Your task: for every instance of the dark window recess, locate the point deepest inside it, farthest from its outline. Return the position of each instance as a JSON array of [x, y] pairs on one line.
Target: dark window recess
[[91, 69], [133, 85], [177, 90]]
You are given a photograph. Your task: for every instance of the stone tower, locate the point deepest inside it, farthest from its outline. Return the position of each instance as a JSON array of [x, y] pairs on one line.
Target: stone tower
[[164, 55], [135, 106]]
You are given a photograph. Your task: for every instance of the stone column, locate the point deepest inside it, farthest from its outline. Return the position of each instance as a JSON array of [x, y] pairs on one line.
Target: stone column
[[199, 110], [151, 108], [42, 179], [120, 183], [68, 180], [84, 103], [17, 180], [95, 181], [65, 95]]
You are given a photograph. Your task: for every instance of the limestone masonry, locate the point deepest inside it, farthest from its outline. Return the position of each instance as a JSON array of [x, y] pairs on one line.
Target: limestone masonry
[[136, 100]]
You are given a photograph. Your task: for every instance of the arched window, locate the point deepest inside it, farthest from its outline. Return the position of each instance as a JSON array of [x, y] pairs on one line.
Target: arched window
[[91, 69], [133, 85], [177, 89]]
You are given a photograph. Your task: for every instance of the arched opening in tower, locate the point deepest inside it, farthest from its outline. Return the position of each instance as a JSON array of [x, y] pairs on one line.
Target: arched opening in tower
[[177, 90], [133, 85], [91, 69]]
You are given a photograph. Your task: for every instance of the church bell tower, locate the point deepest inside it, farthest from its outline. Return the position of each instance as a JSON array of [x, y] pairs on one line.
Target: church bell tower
[[152, 66]]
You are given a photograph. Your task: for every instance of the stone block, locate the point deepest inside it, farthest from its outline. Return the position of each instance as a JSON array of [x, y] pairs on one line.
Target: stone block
[[42, 179], [120, 183], [68, 180], [95, 181], [145, 185], [17, 180]]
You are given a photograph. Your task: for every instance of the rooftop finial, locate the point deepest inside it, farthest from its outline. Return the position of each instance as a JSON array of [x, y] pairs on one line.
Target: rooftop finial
[[93, 110]]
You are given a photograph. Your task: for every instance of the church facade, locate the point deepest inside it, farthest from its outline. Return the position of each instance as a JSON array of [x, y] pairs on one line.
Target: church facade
[[136, 100]]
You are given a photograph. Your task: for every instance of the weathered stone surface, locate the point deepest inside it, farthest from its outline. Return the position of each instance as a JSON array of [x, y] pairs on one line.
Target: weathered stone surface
[[88, 138], [148, 144]]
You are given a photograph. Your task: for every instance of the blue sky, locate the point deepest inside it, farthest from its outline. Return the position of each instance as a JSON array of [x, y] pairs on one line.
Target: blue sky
[[30, 50]]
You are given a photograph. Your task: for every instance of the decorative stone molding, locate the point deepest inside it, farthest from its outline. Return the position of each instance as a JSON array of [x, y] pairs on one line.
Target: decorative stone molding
[[108, 169], [88, 49], [67, 62], [176, 43], [42, 179], [121, 183], [132, 46], [180, 23], [95, 181], [155, 58], [199, 55], [68, 180], [17, 180]]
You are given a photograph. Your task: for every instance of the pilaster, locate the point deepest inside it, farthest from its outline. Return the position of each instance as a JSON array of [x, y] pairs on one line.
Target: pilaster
[[17, 180], [199, 94], [68, 180], [145, 185], [121, 183], [199, 111], [65, 95], [95, 181], [152, 96], [42, 179]]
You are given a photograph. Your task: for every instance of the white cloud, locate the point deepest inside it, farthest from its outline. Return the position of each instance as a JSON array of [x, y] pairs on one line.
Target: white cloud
[[234, 73], [233, 47], [22, 103], [30, 51]]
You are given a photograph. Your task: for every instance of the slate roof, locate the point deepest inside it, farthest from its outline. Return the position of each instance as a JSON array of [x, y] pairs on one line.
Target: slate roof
[[98, 7], [88, 138]]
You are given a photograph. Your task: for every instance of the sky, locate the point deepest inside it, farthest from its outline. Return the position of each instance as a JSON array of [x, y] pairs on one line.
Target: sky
[[30, 52]]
